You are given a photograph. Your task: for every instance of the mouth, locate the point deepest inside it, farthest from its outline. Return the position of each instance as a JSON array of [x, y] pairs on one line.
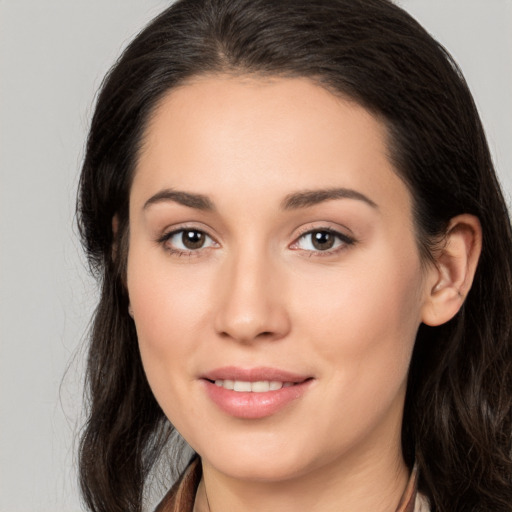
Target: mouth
[[260, 386], [254, 393]]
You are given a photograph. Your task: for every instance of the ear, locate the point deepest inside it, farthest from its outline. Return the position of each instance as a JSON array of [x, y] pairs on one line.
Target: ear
[[449, 279]]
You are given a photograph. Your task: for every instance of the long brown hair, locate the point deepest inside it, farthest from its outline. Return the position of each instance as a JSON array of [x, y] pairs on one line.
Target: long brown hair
[[458, 421]]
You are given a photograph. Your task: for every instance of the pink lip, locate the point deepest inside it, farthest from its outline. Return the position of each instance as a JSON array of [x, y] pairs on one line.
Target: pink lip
[[253, 374], [250, 405]]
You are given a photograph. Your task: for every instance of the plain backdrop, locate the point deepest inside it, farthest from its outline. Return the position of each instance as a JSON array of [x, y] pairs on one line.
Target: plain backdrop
[[53, 55]]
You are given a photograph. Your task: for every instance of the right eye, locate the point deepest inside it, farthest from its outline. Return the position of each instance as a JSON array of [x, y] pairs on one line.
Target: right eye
[[186, 241]]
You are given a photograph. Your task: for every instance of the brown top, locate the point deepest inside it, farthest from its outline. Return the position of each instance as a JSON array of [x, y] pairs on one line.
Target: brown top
[[183, 493]]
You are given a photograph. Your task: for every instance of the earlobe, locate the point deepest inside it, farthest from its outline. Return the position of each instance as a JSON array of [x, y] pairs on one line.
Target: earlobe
[[450, 279]]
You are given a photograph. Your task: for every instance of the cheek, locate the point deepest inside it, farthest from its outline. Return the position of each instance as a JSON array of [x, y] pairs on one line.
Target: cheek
[[168, 304], [167, 343], [168, 310], [362, 326], [364, 319]]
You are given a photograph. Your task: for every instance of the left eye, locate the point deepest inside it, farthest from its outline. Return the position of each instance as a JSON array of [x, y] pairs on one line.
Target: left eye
[[322, 240], [189, 240]]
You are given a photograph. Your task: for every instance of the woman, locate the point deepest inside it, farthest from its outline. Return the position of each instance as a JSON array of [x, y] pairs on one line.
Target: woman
[[305, 264]]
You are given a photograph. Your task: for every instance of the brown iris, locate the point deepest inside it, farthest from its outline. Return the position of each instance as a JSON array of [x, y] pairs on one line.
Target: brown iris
[[193, 239], [322, 240]]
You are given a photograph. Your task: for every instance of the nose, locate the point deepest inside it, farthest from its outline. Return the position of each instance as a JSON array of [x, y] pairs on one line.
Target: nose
[[251, 302]]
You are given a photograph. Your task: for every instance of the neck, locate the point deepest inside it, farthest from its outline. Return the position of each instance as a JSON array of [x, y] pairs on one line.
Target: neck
[[375, 485]]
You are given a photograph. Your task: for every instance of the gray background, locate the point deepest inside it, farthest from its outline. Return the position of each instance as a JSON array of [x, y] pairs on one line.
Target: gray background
[[53, 55]]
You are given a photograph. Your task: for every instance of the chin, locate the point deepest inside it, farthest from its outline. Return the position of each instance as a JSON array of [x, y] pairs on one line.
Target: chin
[[253, 461], [268, 470]]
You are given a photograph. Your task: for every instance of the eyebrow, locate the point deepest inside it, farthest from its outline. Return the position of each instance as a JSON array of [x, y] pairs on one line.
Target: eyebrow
[[297, 200], [308, 198], [197, 201]]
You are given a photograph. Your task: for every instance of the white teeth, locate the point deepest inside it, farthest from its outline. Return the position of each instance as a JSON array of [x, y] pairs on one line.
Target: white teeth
[[240, 385], [261, 386]]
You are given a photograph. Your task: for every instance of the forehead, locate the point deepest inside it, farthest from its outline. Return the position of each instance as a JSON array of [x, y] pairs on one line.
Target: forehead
[[216, 132], [251, 108]]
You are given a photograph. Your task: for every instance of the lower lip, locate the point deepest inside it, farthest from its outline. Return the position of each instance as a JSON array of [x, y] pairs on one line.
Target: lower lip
[[250, 405]]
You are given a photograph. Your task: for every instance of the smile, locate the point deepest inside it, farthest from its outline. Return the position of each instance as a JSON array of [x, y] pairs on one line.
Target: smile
[[262, 386], [254, 393]]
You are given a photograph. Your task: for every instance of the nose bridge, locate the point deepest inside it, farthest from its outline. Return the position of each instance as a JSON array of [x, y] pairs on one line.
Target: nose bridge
[[251, 306]]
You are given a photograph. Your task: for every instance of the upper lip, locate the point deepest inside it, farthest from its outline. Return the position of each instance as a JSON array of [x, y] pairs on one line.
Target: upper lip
[[256, 374]]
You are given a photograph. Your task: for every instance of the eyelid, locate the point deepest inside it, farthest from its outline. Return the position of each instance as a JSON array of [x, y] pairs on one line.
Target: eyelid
[[164, 232]]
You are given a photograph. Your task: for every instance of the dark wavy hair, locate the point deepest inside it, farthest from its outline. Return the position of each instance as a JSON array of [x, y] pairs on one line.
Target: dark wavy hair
[[457, 421]]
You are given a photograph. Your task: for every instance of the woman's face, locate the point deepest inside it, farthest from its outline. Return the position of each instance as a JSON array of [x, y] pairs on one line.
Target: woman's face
[[272, 250]]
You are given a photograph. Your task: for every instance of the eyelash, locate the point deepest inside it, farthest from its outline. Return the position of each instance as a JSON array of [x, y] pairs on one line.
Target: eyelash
[[344, 241]]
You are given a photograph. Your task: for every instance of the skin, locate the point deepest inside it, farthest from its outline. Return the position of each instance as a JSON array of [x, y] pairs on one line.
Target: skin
[[258, 293]]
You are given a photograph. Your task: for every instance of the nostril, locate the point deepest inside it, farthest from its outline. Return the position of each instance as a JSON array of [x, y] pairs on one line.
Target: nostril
[[250, 320]]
